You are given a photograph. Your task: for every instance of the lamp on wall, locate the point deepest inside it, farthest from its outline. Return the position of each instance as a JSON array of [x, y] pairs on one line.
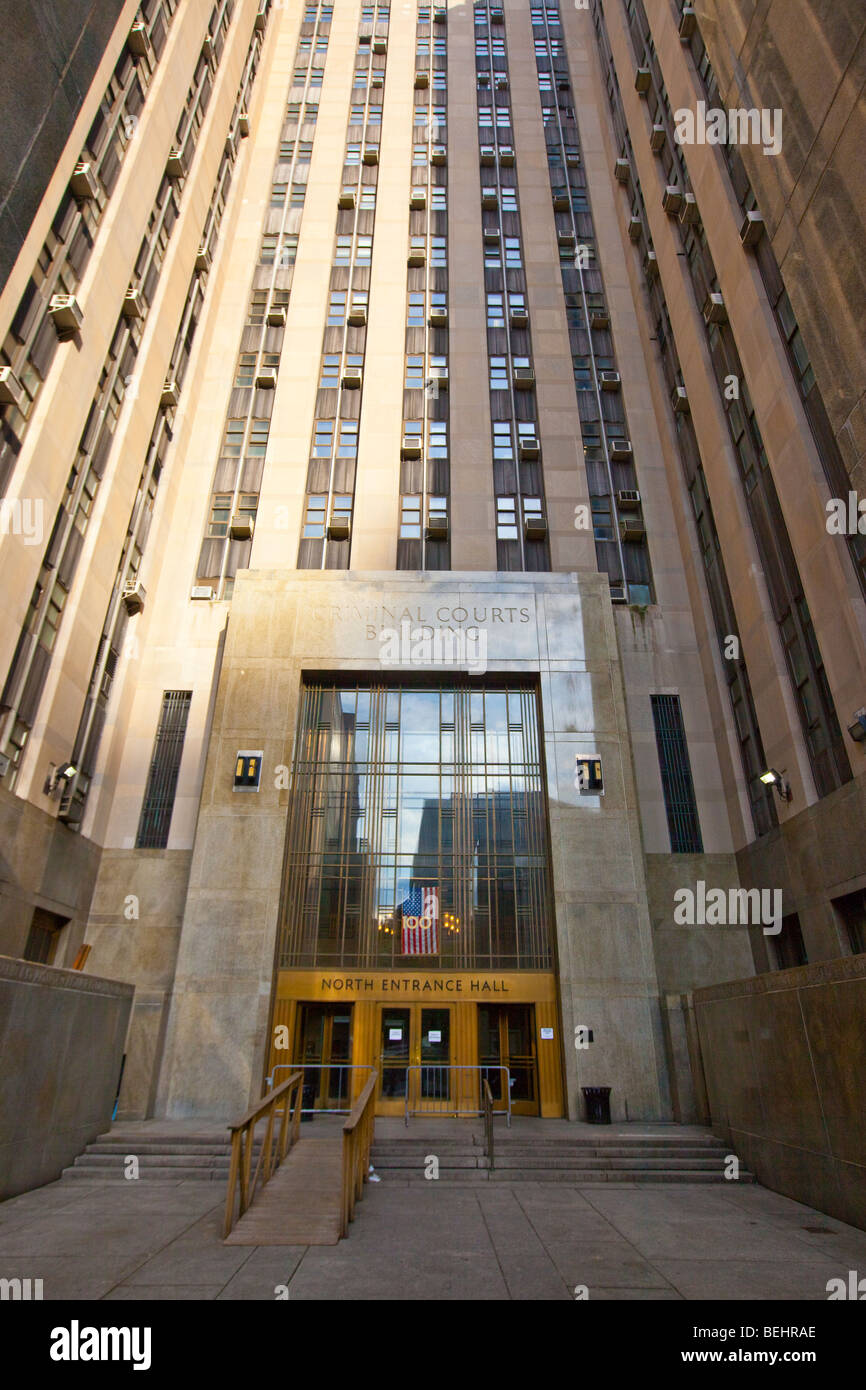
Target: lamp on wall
[[56, 775], [857, 730], [772, 778]]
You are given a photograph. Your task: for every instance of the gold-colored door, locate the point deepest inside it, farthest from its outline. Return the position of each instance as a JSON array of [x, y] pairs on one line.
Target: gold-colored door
[[324, 1051], [414, 1060], [506, 1039]]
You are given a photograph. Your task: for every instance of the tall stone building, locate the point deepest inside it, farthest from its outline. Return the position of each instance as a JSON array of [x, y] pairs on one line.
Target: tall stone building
[[418, 455]]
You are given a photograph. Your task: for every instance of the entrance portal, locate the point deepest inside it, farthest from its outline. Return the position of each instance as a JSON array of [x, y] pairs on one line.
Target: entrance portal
[[414, 1057], [325, 1040], [506, 1038]]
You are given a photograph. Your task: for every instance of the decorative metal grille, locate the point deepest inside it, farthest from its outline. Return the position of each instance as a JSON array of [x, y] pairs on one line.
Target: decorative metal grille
[[679, 792], [164, 767]]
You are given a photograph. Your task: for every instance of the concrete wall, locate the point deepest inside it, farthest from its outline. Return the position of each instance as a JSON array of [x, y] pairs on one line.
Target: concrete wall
[[61, 1038], [784, 1056]]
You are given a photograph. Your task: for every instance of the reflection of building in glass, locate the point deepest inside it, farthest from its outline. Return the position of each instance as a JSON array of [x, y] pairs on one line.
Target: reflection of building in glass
[[395, 788]]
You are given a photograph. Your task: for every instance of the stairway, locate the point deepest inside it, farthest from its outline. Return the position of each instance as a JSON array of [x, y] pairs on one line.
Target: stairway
[[615, 1157], [169, 1153]]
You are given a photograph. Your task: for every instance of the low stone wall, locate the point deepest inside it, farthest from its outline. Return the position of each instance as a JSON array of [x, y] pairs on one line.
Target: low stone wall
[[61, 1040], [784, 1056]]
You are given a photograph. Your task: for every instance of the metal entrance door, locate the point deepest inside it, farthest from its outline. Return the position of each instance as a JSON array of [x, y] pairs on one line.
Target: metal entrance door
[[414, 1056], [506, 1038]]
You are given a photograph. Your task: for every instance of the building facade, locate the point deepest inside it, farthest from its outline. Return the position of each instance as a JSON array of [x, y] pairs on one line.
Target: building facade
[[416, 461]]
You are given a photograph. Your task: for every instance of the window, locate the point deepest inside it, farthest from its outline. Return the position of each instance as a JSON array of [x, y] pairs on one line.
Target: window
[[419, 155], [676, 775], [305, 151], [220, 514], [337, 309], [437, 439], [246, 369], [234, 438], [503, 447], [509, 199], [347, 442], [299, 193], [438, 256], [512, 253], [368, 197], [506, 518], [495, 311], [410, 518], [314, 519], [414, 373], [498, 374], [353, 154], [158, 804], [258, 440], [437, 198], [415, 317], [363, 250], [278, 194], [330, 374], [323, 439]]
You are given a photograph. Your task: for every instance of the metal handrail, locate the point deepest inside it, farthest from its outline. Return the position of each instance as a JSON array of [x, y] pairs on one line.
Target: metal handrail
[[488, 1122], [471, 1093], [320, 1066], [357, 1142]]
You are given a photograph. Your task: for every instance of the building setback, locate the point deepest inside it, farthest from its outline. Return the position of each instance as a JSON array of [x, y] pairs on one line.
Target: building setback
[[416, 465]]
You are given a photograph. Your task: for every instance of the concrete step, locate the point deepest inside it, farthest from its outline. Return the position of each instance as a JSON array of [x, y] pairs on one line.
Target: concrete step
[[470, 1177], [155, 1174]]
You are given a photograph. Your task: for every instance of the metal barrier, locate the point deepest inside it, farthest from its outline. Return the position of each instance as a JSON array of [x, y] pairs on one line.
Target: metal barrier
[[436, 1089], [488, 1122], [343, 1083]]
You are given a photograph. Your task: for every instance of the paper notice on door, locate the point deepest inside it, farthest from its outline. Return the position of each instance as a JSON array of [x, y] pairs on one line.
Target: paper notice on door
[[395, 1034], [435, 1035], [547, 1034]]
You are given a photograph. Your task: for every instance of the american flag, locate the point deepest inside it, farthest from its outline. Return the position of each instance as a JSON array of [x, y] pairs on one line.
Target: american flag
[[420, 935]]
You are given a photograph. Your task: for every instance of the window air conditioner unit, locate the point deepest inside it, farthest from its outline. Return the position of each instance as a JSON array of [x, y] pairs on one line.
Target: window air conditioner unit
[[348, 198], [621, 171], [418, 199], [496, 16], [371, 154], [524, 379], [651, 266], [352, 378], [133, 596], [438, 155], [261, 21], [534, 528], [658, 136], [502, 83], [561, 202], [440, 14], [484, 79], [230, 147], [599, 318], [642, 80], [631, 529], [176, 165], [489, 199], [438, 316], [66, 312], [138, 41], [617, 593], [566, 239], [243, 123], [417, 256], [357, 315], [202, 259], [437, 526], [208, 52], [377, 79], [620, 450], [338, 528], [609, 381], [714, 309], [563, 84], [672, 200], [628, 499], [528, 446], [439, 375], [491, 236], [518, 318], [277, 317], [11, 391], [170, 393], [680, 400], [266, 380], [689, 214], [506, 155], [411, 446], [241, 526], [635, 227], [422, 79], [752, 229], [133, 305], [380, 45], [572, 159], [83, 183], [688, 22], [201, 591], [488, 154]]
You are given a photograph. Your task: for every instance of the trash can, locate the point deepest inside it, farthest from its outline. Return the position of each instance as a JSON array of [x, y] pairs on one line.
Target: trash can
[[597, 1100], [308, 1100]]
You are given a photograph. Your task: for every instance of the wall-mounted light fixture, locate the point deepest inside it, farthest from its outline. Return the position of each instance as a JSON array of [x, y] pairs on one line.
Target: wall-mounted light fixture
[[857, 730], [772, 778], [56, 775]]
